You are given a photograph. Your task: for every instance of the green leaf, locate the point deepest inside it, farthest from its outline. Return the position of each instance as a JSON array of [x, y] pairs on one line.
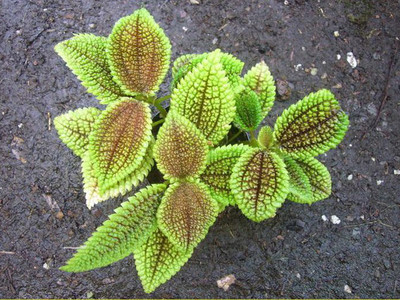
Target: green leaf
[[119, 141], [205, 97], [299, 184], [186, 213], [91, 185], [86, 56], [312, 126], [139, 53], [217, 174], [319, 178], [248, 110], [259, 182], [265, 137], [157, 260], [260, 80], [181, 149], [125, 230], [75, 126]]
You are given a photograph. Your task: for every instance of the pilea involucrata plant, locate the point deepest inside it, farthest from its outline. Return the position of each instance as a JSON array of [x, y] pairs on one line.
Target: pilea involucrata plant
[[205, 165]]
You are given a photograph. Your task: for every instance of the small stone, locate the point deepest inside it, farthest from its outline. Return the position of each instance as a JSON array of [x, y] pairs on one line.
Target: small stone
[[89, 295], [297, 67], [396, 172], [336, 33], [324, 218], [303, 48], [60, 215], [298, 275], [335, 220], [314, 71], [18, 32], [372, 109], [350, 177], [362, 217], [387, 264], [214, 41], [184, 28], [337, 86], [325, 75], [351, 59], [376, 56], [379, 182], [356, 232], [283, 89], [91, 25], [46, 266], [286, 2], [226, 282], [279, 237], [20, 125], [373, 158], [324, 62], [194, 2], [377, 273], [338, 57], [347, 289]]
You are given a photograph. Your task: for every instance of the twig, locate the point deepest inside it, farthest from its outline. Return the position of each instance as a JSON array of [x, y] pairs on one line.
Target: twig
[[385, 93], [72, 248], [7, 252]]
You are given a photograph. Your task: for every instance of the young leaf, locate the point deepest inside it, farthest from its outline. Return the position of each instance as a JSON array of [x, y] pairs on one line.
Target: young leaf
[[181, 149], [139, 53], [75, 126], [91, 185], [248, 110], [259, 182], [119, 141], [265, 137], [157, 260], [205, 97], [85, 55], [312, 126], [125, 230], [260, 80], [319, 178], [299, 184], [217, 174], [186, 213]]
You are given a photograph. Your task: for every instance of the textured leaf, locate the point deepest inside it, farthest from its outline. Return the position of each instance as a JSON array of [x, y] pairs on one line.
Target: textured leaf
[[186, 213], [205, 97], [260, 80], [139, 53], [259, 182], [119, 141], [265, 137], [85, 55], [157, 260], [299, 184], [181, 149], [248, 110], [125, 230], [319, 178], [75, 126], [312, 126], [220, 163], [91, 185]]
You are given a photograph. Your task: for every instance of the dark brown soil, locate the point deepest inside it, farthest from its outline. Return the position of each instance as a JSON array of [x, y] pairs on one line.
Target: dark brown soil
[[296, 254]]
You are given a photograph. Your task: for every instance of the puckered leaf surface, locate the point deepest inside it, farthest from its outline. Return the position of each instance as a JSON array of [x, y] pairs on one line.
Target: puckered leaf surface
[[312, 126], [186, 213], [248, 110], [205, 97], [265, 137], [125, 230], [319, 178], [157, 260], [119, 141], [181, 149], [299, 184], [259, 183], [91, 185], [75, 126], [260, 80], [217, 174], [139, 53], [85, 55]]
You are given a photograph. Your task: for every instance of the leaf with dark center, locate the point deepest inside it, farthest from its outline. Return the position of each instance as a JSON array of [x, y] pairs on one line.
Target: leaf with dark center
[[139, 53], [125, 230], [217, 174], [119, 141], [312, 126], [75, 126], [186, 213], [248, 110], [259, 183], [205, 97], [157, 260], [86, 56], [181, 149]]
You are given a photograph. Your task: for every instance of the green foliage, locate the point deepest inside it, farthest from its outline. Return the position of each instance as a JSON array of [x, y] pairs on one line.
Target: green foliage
[[205, 162]]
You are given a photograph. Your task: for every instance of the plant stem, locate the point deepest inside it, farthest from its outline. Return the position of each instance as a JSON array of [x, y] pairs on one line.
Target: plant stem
[[162, 99], [253, 139], [234, 136], [161, 109], [158, 122]]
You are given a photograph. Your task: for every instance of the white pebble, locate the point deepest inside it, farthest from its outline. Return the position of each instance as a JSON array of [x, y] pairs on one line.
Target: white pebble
[[286, 2], [297, 67], [298, 275], [362, 217], [335, 220], [324, 62], [350, 177], [214, 41], [46, 266], [373, 158], [338, 57], [336, 33], [324, 218], [303, 48], [184, 28], [396, 172], [314, 71], [351, 59], [20, 125], [347, 289], [379, 182]]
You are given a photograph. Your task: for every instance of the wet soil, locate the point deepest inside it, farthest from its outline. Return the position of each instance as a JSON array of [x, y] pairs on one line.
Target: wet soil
[[296, 254]]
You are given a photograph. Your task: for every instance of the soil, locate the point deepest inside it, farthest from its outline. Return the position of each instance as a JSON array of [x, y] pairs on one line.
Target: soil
[[294, 255]]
